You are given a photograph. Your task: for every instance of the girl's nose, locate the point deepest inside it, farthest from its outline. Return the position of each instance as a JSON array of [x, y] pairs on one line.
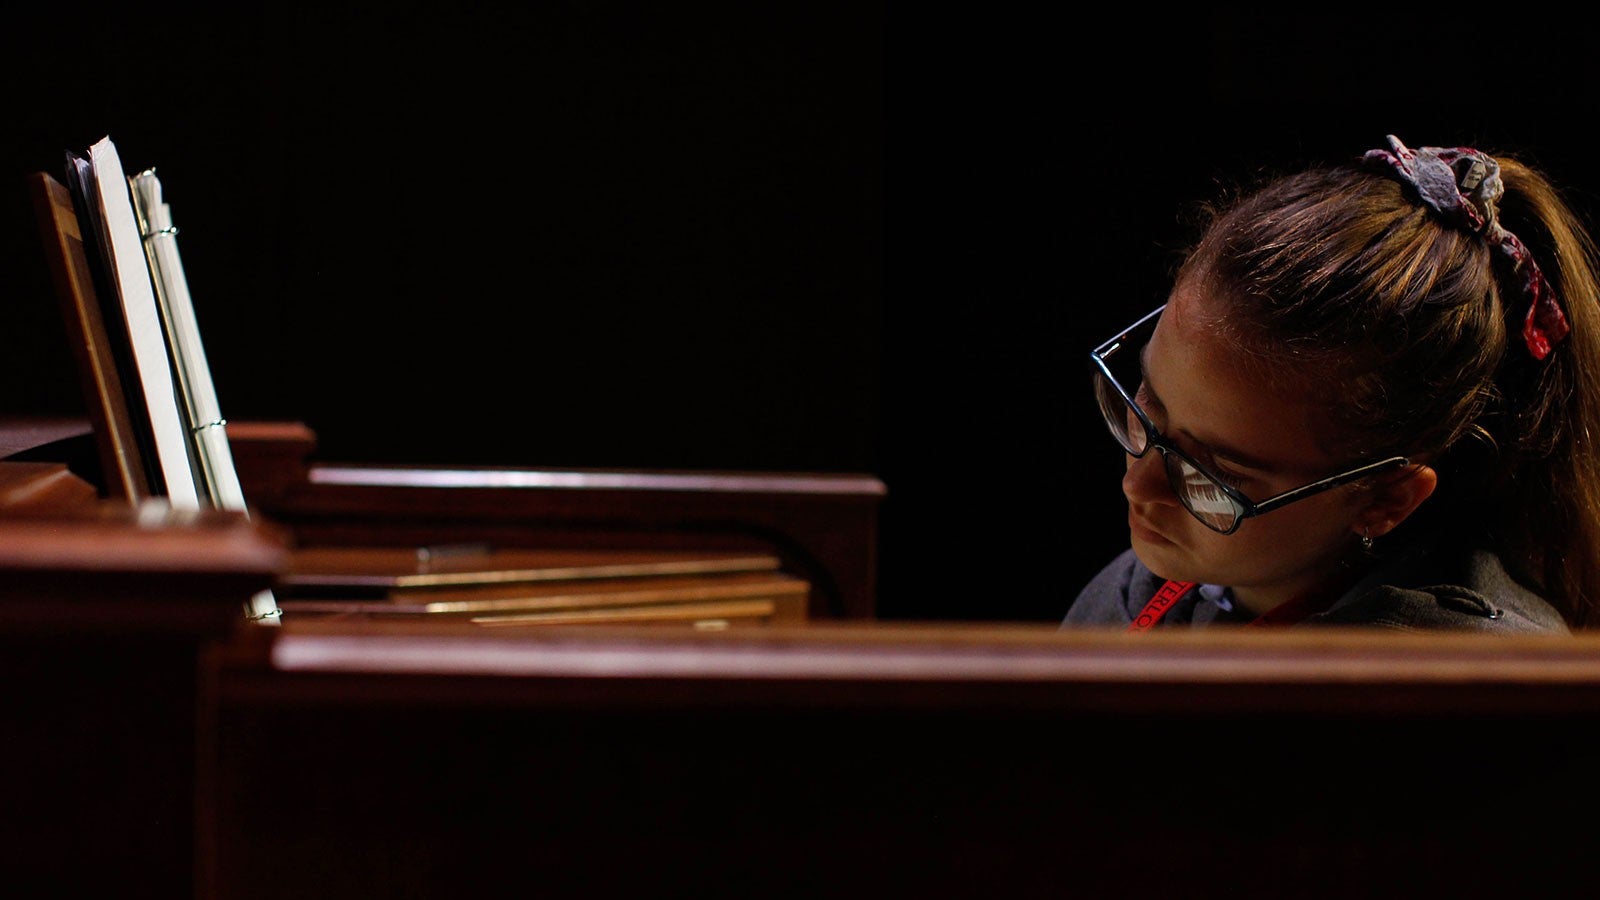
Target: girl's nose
[[1145, 480]]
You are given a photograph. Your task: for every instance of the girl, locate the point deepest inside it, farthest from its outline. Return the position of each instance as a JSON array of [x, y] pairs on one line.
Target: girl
[[1369, 399]]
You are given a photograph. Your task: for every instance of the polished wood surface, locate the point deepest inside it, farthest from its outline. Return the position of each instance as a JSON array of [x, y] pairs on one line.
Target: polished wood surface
[[820, 527], [955, 665], [496, 586], [698, 599], [104, 611], [354, 527], [44, 486], [441, 567], [106, 567], [902, 759]]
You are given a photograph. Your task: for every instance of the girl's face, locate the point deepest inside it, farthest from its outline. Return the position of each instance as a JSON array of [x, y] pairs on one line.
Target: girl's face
[[1260, 438]]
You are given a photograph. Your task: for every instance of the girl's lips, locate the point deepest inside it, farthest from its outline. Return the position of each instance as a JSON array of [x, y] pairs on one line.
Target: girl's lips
[[1143, 531]]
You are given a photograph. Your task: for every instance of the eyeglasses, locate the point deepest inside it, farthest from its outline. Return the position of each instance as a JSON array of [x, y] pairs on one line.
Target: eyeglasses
[[1217, 504]]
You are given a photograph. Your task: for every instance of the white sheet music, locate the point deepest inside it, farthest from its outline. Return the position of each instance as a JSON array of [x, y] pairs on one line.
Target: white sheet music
[[202, 413], [191, 450], [146, 333]]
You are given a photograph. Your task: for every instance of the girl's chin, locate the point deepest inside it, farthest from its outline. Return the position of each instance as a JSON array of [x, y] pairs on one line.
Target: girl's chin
[[1162, 557]]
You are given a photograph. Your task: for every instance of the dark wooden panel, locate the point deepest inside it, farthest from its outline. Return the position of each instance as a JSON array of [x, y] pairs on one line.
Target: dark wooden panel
[[878, 760], [104, 610]]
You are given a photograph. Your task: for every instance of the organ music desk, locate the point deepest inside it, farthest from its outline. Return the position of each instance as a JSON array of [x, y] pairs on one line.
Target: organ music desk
[[158, 745]]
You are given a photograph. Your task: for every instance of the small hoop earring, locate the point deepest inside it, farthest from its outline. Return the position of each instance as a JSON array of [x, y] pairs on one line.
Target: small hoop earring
[[1366, 540]]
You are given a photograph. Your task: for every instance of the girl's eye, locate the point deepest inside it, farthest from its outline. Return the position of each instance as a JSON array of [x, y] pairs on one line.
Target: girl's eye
[[1227, 476], [1154, 410], [1141, 396]]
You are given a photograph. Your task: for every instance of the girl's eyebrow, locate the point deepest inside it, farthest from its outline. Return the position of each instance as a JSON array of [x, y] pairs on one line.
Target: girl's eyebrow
[[1217, 451]]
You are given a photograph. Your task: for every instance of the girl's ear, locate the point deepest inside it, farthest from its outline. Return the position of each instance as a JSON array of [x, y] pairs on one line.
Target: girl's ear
[[1395, 499]]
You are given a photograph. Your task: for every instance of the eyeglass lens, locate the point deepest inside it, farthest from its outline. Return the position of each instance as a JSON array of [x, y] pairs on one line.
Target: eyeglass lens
[[1196, 490]]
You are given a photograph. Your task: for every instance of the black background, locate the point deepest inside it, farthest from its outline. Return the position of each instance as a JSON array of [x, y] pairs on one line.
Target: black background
[[841, 237]]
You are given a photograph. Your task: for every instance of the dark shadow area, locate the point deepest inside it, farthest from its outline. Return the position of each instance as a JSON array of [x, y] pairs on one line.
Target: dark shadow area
[[794, 237]]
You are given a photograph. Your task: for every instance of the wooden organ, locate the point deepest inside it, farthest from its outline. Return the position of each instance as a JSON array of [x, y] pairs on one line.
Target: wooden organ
[[488, 682]]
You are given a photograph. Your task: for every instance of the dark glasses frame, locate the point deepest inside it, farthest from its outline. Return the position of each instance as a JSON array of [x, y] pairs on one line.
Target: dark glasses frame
[[1244, 507]]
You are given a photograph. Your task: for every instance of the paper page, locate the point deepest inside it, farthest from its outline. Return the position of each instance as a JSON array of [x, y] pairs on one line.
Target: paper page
[[202, 413], [146, 333]]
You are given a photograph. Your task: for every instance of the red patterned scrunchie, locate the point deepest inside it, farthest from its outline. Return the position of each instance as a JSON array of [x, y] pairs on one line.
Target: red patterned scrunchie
[[1463, 186]]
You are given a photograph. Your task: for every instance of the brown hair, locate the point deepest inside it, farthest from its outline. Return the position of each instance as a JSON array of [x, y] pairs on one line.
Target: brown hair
[[1408, 331]]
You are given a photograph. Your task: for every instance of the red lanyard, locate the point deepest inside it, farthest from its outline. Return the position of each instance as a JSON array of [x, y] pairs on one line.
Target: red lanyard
[[1283, 614], [1166, 595]]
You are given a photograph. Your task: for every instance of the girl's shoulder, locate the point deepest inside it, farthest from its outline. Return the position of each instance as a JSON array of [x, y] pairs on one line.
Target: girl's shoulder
[[1468, 590]]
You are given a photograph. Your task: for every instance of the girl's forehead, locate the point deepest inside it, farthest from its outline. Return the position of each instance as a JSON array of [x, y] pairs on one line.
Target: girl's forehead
[[1220, 396]]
